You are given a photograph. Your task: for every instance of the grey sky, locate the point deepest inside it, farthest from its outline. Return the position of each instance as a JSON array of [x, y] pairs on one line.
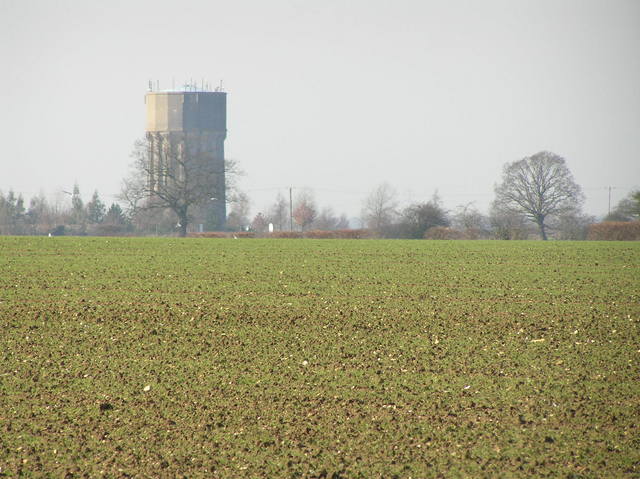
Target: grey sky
[[337, 96]]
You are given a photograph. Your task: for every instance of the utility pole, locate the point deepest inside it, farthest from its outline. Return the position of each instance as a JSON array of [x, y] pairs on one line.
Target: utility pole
[[609, 200], [290, 209]]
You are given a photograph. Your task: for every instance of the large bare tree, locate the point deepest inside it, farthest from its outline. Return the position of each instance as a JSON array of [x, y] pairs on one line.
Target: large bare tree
[[180, 178], [539, 186]]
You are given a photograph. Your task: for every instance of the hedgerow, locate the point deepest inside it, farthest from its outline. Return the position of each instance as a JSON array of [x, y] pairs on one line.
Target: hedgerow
[[615, 231]]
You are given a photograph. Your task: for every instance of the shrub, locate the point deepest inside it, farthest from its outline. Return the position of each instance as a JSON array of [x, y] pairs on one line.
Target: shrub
[[615, 231]]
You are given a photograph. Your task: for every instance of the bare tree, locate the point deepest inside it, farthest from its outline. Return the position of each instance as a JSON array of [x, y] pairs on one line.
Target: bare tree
[[539, 186], [326, 220], [343, 222], [279, 213], [232, 172], [133, 194], [238, 218], [260, 224], [305, 211], [507, 224], [469, 218], [571, 225], [380, 209], [179, 177]]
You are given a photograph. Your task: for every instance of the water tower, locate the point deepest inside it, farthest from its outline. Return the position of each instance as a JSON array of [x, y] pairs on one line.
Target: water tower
[[197, 119]]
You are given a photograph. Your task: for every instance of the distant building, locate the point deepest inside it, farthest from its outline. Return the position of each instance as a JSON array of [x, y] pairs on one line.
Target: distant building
[[196, 120]]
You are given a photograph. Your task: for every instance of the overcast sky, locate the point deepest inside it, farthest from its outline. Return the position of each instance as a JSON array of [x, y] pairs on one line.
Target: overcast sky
[[336, 96]]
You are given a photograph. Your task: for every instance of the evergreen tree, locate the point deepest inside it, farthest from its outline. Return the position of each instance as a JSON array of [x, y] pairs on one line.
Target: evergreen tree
[[38, 212], [77, 206], [628, 209], [115, 216], [12, 213], [96, 209]]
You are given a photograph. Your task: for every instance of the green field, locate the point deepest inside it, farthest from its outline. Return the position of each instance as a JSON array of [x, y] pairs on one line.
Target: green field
[[311, 358]]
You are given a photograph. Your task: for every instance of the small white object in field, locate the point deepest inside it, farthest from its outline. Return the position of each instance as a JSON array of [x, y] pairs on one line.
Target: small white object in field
[[146, 388]]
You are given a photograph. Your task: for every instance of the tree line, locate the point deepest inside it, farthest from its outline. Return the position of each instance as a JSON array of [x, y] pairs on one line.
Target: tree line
[[42, 217], [537, 195], [537, 191]]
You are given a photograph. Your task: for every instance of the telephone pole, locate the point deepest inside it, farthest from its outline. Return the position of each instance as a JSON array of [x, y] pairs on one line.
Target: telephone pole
[[290, 209]]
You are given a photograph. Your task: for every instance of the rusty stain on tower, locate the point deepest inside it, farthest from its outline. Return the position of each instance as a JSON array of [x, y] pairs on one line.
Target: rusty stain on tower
[[195, 119]]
